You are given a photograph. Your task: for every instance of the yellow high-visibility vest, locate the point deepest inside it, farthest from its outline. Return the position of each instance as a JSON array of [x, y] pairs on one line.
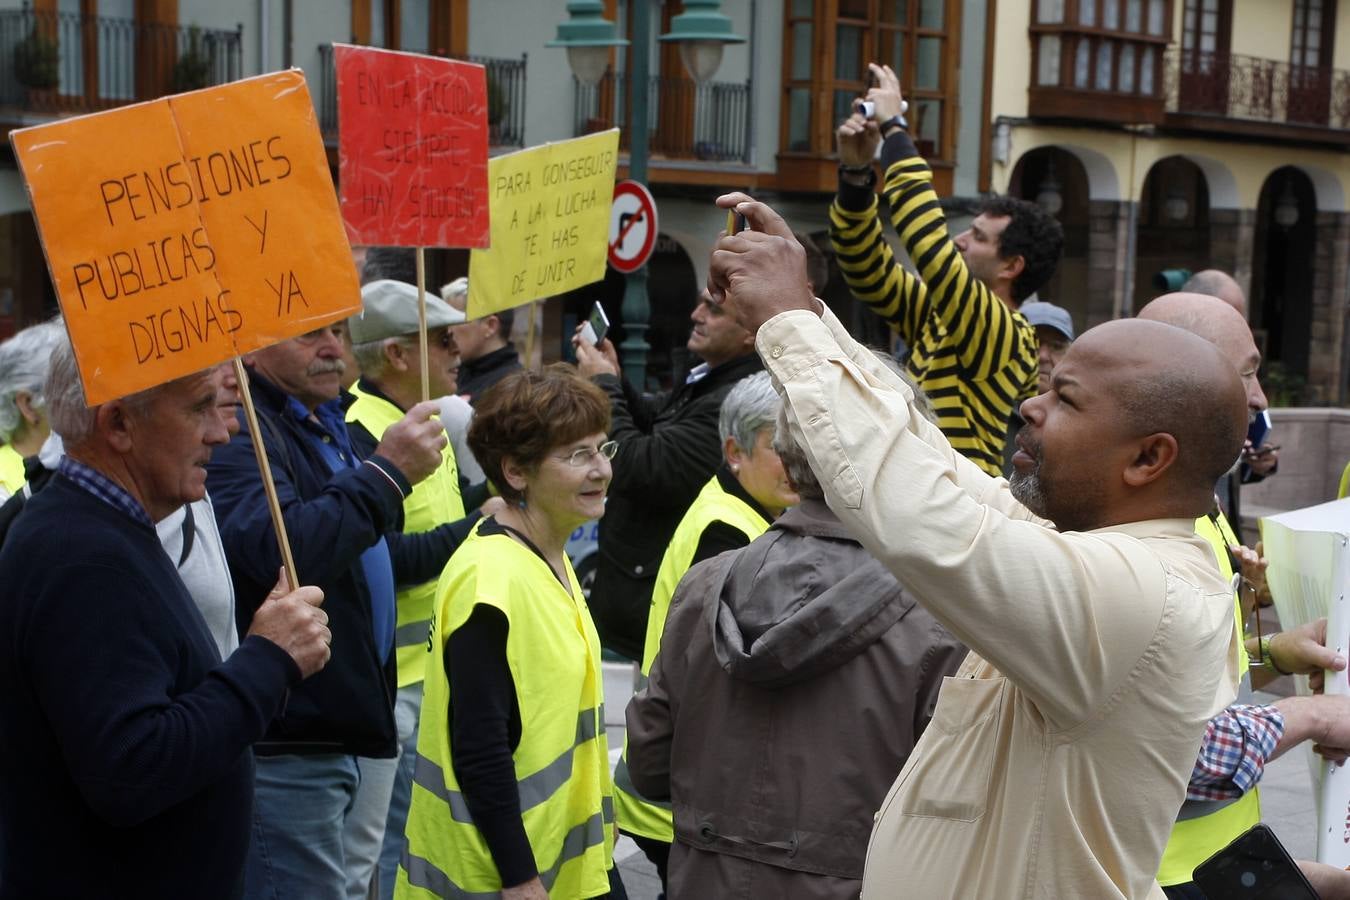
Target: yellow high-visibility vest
[[562, 761], [1203, 828], [11, 470], [638, 815], [434, 501]]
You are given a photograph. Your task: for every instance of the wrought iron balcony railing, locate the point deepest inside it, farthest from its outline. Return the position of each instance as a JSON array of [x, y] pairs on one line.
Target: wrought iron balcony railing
[[686, 120], [61, 62], [1263, 90], [505, 88]]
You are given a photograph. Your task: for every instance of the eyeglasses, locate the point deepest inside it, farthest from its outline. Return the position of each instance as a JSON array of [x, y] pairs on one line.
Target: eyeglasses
[[582, 456]]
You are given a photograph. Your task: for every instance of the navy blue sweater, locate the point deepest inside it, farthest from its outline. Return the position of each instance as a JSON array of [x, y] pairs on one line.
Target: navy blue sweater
[[124, 740]]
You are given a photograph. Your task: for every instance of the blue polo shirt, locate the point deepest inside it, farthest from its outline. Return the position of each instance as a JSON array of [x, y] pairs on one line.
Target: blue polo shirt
[[334, 444]]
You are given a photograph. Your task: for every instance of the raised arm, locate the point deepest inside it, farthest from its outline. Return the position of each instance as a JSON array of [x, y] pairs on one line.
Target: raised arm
[[353, 511], [867, 261], [992, 341], [1031, 601]]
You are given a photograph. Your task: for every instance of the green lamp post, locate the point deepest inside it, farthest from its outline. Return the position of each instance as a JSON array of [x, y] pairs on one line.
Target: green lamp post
[[701, 32]]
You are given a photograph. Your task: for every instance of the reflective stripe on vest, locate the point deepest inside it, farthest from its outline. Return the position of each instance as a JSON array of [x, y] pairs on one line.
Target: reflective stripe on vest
[[638, 815], [434, 501], [1203, 827], [534, 789], [423, 874], [562, 760]]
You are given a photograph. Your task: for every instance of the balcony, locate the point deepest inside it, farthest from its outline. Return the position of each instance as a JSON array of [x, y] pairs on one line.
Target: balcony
[[1257, 97], [505, 89], [687, 121], [57, 63]]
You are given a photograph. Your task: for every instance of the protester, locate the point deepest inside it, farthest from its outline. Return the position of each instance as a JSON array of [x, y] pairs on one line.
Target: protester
[[385, 343], [968, 348], [778, 658], [126, 739], [1222, 800], [1059, 755], [485, 346], [668, 449], [1257, 462], [342, 515], [513, 765], [191, 539], [1217, 283], [23, 417], [1054, 334], [748, 491]]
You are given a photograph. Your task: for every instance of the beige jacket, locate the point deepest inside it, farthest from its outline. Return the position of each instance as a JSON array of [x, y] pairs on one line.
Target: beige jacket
[[1059, 754]]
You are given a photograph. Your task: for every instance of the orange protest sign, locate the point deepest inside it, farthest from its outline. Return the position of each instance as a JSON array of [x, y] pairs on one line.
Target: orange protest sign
[[189, 229]]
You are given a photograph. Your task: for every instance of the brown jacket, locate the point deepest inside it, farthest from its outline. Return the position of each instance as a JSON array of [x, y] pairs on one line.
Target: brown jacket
[[813, 674]]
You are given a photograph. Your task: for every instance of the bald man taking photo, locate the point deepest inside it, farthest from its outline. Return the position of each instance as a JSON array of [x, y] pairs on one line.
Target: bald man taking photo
[[1058, 755]]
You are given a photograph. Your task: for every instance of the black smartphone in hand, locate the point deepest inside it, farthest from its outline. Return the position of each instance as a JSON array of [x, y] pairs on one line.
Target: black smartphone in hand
[[1255, 866]]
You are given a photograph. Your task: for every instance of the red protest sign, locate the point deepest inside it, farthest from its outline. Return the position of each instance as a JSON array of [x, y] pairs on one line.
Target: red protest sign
[[412, 148]]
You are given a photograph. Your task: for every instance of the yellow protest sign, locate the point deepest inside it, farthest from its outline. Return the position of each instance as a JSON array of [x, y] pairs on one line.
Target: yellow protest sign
[[549, 209], [189, 229]]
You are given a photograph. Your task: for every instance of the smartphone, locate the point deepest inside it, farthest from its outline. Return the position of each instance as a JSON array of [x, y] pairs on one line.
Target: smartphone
[[1255, 866], [1259, 429], [594, 329]]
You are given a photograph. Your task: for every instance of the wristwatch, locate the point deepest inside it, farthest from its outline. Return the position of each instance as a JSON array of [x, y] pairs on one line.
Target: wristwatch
[[894, 122]]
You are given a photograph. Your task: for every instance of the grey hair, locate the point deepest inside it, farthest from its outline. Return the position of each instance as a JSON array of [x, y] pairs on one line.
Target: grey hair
[[23, 369], [795, 464], [751, 405], [70, 416], [370, 358]]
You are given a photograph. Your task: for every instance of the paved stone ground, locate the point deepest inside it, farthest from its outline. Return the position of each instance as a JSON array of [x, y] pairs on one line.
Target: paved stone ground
[[1286, 790]]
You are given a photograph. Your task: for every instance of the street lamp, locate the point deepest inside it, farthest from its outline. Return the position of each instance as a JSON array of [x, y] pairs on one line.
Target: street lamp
[[588, 37], [700, 31]]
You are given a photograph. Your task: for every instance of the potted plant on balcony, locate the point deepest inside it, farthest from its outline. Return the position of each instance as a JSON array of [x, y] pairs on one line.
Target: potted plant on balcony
[[192, 71], [37, 66]]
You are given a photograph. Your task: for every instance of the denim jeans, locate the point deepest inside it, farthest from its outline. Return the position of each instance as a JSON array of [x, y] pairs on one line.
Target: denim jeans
[[363, 832], [300, 807], [407, 710]]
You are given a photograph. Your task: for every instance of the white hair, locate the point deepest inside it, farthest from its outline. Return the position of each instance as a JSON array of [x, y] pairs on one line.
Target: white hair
[[23, 369], [70, 416], [751, 404]]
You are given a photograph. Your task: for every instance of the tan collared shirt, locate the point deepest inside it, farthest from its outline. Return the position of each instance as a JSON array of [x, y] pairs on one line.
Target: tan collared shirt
[[1059, 754]]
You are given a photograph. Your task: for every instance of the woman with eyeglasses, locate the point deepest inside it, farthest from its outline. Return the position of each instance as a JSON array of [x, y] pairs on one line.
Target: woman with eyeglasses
[[737, 505], [511, 789]]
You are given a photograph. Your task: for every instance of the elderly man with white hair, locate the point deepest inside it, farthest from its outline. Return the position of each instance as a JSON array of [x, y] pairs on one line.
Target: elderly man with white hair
[[127, 739], [23, 418]]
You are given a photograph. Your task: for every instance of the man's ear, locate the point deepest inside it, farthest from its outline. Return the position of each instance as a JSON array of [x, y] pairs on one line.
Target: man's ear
[[113, 420], [1155, 454], [395, 354], [1012, 267]]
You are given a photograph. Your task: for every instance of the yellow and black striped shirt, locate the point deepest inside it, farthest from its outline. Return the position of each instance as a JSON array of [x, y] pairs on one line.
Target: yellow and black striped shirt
[[972, 355]]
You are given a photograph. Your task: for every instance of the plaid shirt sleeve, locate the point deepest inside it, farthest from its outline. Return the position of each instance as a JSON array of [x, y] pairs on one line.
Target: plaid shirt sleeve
[[1238, 741]]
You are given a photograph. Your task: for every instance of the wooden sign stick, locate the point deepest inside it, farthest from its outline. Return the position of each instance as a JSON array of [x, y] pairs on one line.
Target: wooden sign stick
[[283, 542], [529, 336], [422, 321]]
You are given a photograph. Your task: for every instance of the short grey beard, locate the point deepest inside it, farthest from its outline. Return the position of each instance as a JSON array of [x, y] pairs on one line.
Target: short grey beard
[[1026, 490]]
